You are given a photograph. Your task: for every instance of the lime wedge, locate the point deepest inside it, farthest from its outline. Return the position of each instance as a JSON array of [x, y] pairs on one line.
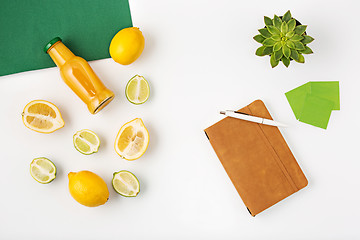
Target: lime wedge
[[137, 90], [86, 141], [126, 184], [43, 170]]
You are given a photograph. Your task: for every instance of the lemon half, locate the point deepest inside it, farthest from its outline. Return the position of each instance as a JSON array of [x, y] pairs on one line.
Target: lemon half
[[42, 116], [132, 140]]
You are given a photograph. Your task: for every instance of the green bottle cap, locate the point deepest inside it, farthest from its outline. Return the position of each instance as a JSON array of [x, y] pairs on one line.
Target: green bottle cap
[[52, 42]]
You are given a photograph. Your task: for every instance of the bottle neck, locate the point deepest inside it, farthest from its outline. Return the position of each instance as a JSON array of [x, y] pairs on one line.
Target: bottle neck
[[60, 53]]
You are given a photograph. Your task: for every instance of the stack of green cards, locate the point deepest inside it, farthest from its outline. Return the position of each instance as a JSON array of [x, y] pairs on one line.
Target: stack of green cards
[[313, 102]]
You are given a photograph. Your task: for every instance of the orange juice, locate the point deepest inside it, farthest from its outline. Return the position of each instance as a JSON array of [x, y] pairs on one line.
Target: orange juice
[[79, 76]]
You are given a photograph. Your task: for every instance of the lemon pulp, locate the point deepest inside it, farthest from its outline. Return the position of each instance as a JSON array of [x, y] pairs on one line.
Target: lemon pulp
[[132, 140], [42, 116]]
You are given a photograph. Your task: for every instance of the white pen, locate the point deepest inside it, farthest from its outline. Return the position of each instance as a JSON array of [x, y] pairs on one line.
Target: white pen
[[246, 117]]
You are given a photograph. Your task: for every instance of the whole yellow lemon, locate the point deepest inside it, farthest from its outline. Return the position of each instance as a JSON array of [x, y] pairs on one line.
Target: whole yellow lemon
[[127, 45], [88, 188]]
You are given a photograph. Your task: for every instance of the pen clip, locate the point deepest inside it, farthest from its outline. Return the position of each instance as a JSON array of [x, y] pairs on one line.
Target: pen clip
[[241, 113]]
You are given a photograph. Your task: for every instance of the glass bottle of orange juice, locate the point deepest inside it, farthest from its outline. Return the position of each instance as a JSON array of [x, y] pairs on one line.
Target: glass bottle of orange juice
[[79, 76]]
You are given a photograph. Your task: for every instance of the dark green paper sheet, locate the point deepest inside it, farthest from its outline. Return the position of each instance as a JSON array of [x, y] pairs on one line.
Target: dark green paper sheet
[[86, 28], [313, 102]]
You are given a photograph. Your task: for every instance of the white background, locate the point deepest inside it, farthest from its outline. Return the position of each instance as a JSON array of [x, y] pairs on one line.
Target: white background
[[199, 59]]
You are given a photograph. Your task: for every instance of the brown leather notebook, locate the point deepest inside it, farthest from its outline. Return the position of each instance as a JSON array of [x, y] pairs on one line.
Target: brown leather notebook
[[256, 158]]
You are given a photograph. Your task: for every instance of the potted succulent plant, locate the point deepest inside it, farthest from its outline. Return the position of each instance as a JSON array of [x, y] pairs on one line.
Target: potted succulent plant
[[283, 39]]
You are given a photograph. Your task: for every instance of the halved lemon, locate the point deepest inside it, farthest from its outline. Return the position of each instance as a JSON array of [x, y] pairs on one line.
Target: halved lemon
[[42, 116], [86, 141], [137, 90], [126, 184], [42, 170], [132, 140]]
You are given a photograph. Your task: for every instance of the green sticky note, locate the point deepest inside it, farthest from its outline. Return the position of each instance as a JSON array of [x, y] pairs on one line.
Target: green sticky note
[[313, 102], [86, 28], [328, 90], [296, 98], [316, 111]]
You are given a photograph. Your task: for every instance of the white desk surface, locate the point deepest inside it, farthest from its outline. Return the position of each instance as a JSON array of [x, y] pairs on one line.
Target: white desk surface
[[199, 59]]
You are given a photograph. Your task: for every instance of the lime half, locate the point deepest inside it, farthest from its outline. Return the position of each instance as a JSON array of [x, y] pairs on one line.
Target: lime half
[[86, 141], [126, 184], [137, 90], [43, 170]]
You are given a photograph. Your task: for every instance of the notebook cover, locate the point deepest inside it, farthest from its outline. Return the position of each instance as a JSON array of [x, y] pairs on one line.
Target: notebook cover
[[256, 158], [86, 28]]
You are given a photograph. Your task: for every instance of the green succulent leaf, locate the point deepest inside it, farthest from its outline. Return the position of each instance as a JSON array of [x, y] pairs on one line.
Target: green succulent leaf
[[268, 42], [273, 61], [284, 27], [299, 46], [296, 38], [307, 39], [273, 30], [268, 21], [264, 32], [286, 51], [263, 51], [278, 55], [276, 37], [307, 50], [260, 51], [289, 34], [277, 22], [259, 38], [268, 50], [286, 61], [294, 55], [290, 44], [277, 46], [301, 59], [300, 29], [292, 25], [287, 16]]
